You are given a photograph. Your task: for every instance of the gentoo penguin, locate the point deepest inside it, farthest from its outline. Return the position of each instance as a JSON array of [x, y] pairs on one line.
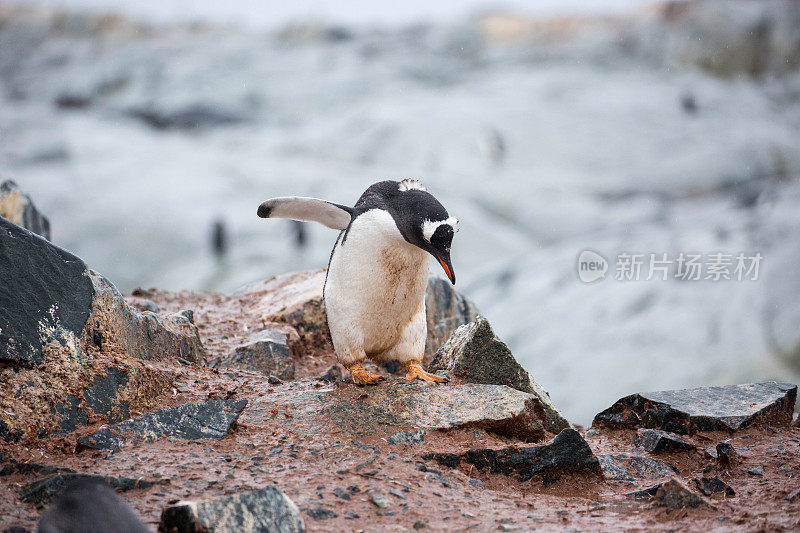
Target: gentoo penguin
[[378, 271]]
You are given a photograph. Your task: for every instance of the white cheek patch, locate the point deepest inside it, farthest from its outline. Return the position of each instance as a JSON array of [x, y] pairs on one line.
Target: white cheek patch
[[429, 227], [409, 184]]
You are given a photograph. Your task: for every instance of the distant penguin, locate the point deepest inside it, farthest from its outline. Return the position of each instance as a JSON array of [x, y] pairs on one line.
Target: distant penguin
[[90, 506], [378, 271], [219, 238]]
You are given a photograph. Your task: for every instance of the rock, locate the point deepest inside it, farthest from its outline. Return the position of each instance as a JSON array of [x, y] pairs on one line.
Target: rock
[[792, 496], [407, 437], [344, 407], [728, 408], [756, 471], [296, 299], [446, 310], [726, 454], [647, 492], [673, 494], [475, 354], [72, 101], [70, 345], [268, 352], [272, 380], [266, 509], [381, 501], [187, 118], [44, 490], [18, 208], [90, 505], [628, 467], [320, 513], [333, 374], [566, 454], [713, 485], [211, 419], [26, 469], [657, 441], [142, 304]]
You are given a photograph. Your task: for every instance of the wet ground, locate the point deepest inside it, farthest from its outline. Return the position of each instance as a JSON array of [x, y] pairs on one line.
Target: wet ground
[[338, 480]]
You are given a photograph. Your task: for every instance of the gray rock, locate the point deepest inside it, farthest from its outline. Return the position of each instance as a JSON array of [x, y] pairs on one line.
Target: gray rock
[[267, 352], [657, 441], [728, 408], [69, 343], [381, 501], [407, 437], [42, 491], [475, 354], [756, 471], [566, 454], [629, 467], [446, 309], [261, 510], [673, 494], [713, 485], [401, 403], [647, 492], [189, 421], [18, 208], [333, 374]]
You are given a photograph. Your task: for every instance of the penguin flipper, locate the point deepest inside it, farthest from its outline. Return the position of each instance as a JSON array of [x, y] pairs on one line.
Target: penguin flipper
[[328, 214]]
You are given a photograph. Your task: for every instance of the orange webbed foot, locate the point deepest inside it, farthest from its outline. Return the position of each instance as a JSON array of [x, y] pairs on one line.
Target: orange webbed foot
[[362, 377], [415, 371]]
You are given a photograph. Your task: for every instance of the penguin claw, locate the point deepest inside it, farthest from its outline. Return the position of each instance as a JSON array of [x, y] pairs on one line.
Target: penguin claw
[[362, 377], [415, 371]]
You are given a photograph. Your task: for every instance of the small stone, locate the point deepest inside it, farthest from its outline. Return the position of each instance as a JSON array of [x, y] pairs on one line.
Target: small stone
[[793, 495], [381, 500], [333, 374], [419, 524], [756, 471], [407, 437], [647, 492], [267, 352], [272, 380], [673, 494], [396, 493], [713, 485], [657, 441], [726, 453], [319, 513], [507, 527], [341, 493]]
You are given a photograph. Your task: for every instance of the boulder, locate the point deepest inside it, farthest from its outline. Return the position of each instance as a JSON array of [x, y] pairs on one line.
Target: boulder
[[729, 408], [266, 509], [42, 491], [657, 441], [296, 299], [673, 494], [568, 453], [268, 352], [18, 208], [474, 354], [70, 346], [344, 407], [211, 419]]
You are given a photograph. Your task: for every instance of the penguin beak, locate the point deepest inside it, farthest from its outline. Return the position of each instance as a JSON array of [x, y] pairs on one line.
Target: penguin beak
[[444, 260]]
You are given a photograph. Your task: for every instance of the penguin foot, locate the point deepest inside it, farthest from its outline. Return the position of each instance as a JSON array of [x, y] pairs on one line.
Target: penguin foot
[[415, 371], [362, 377]]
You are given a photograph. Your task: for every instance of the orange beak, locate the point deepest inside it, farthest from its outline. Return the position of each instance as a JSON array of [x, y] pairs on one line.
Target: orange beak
[[447, 270]]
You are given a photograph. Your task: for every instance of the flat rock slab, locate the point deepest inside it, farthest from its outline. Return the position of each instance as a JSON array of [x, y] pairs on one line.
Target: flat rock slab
[[44, 490], [474, 354], [211, 419], [356, 410], [713, 485], [729, 408], [262, 510], [631, 467], [568, 453], [657, 441]]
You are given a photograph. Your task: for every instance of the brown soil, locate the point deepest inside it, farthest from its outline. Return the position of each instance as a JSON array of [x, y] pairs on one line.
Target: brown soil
[[336, 473]]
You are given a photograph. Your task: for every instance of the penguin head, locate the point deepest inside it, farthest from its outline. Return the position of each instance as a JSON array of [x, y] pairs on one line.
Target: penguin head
[[421, 219]]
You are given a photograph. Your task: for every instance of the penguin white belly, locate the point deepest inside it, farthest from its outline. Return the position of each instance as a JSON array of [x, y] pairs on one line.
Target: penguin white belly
[[375, 292]]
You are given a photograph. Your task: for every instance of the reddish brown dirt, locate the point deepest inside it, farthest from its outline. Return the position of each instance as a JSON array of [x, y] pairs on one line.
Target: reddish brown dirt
[[313, 469]]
